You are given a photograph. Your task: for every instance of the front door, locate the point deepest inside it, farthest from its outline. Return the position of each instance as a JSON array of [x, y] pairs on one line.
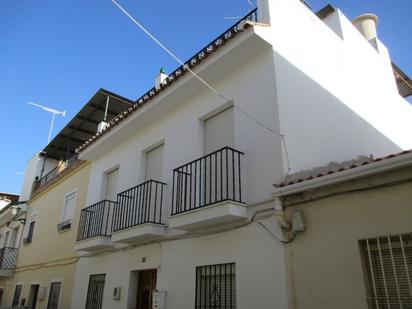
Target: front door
[[146, 285]]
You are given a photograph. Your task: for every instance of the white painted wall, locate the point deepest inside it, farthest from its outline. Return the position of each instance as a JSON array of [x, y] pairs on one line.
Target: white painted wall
[[33, 170], [332, 98], [337, 95], [258, 258]]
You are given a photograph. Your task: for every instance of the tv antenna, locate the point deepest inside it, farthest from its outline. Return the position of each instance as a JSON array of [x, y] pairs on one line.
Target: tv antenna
[[53, 112], [250, 3]]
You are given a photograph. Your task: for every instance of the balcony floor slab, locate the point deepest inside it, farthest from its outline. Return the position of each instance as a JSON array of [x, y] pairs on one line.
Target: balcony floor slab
[[138, 233], [209, 216], [93, 244]]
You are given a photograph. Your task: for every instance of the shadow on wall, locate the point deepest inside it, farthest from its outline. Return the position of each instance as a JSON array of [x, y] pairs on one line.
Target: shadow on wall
[[319, 127]]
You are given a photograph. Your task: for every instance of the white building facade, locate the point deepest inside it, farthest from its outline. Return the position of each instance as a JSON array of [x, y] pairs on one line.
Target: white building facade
[[179, 211]]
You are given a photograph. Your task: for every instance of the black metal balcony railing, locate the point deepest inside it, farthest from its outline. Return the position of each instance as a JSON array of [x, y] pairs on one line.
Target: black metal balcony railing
[[8, 258], [54, 173], [138, 205], [95, 220], [211, 179]]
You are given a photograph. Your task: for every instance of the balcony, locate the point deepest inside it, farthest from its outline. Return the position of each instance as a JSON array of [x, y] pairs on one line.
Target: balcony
[[95, 226], [8, 259], [207, 192], [55, 174], [138, 213]]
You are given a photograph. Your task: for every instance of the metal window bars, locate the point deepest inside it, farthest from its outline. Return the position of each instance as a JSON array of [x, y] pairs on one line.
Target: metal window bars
[[208, 180], [216, 287], [388, 270]]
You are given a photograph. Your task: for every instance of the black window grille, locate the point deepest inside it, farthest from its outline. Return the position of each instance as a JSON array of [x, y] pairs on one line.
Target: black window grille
[[95, 291], [388, 270], [216, 286], [16, 296], [54, 295]]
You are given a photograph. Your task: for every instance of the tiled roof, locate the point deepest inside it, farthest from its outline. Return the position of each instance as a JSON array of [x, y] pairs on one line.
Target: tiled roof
[[194, 61], [340, 169]]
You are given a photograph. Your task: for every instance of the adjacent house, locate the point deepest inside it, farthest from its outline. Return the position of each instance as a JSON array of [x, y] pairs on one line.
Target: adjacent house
[[180, 210], [54, 191], [12, 216], [356, 249]]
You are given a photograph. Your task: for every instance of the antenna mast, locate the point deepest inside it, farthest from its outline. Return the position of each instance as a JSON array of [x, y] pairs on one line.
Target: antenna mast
[[53, 112]]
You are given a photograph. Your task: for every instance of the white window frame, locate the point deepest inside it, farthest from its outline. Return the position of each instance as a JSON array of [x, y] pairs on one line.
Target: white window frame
[[33, 217], [160, 143]]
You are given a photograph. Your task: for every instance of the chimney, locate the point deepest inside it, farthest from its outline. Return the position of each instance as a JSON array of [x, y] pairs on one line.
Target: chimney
[[160, 78], [367, 24], [101, 126]]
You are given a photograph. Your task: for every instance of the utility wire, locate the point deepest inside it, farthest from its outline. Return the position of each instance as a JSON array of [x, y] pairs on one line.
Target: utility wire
[[168, 50]]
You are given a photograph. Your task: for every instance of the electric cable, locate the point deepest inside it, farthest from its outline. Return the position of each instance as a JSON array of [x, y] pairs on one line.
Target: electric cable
[[219, 94]]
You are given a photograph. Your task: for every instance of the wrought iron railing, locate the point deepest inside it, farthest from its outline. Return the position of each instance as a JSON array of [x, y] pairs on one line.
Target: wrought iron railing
[[95, 220], [8, 258], [138, 205], [208, 180], [54, 173]]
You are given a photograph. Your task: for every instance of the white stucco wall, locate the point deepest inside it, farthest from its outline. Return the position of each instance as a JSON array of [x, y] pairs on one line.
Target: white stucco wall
[[259, 269], [327, 95], [337, 95]]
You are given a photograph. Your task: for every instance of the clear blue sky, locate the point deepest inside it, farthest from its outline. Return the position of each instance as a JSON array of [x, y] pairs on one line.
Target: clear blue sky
[[59, 53]]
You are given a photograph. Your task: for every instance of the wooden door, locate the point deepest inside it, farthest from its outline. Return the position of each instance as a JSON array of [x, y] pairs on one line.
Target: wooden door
[[146, 285]]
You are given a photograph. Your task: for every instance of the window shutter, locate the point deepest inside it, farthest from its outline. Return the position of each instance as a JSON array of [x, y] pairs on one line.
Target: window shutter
[[219, 131], [154, 164], [69, 206], [388, 268]]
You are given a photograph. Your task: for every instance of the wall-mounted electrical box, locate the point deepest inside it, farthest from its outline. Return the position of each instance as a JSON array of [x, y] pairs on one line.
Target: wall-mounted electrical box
[[117, 291], [159, 299]]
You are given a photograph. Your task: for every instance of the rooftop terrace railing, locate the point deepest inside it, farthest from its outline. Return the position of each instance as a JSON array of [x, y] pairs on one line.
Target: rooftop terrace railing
[[54, 173]]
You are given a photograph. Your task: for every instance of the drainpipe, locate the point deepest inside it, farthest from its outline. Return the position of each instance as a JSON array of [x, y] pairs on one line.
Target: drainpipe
[[280, 214]]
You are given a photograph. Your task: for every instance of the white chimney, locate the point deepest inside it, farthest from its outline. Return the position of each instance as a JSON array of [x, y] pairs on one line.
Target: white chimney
[[263, 11], [367, 24], [160, 78]]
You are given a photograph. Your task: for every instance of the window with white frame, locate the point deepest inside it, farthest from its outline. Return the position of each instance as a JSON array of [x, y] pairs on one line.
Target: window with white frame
[[388, 271], [67, 211], [216, 286], [30, 229]]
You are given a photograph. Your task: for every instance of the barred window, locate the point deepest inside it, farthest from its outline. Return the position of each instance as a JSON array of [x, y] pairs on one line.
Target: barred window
[[95, 291], [216, 286], [16, 296], [388, 269]]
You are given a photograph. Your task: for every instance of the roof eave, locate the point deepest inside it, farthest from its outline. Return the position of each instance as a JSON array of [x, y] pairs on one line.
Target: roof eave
[[345, 176]]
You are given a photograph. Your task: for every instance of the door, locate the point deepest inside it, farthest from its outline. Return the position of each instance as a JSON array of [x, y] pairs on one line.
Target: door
[[34, 290], [6, 239], [145, 287], [13, 238]]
